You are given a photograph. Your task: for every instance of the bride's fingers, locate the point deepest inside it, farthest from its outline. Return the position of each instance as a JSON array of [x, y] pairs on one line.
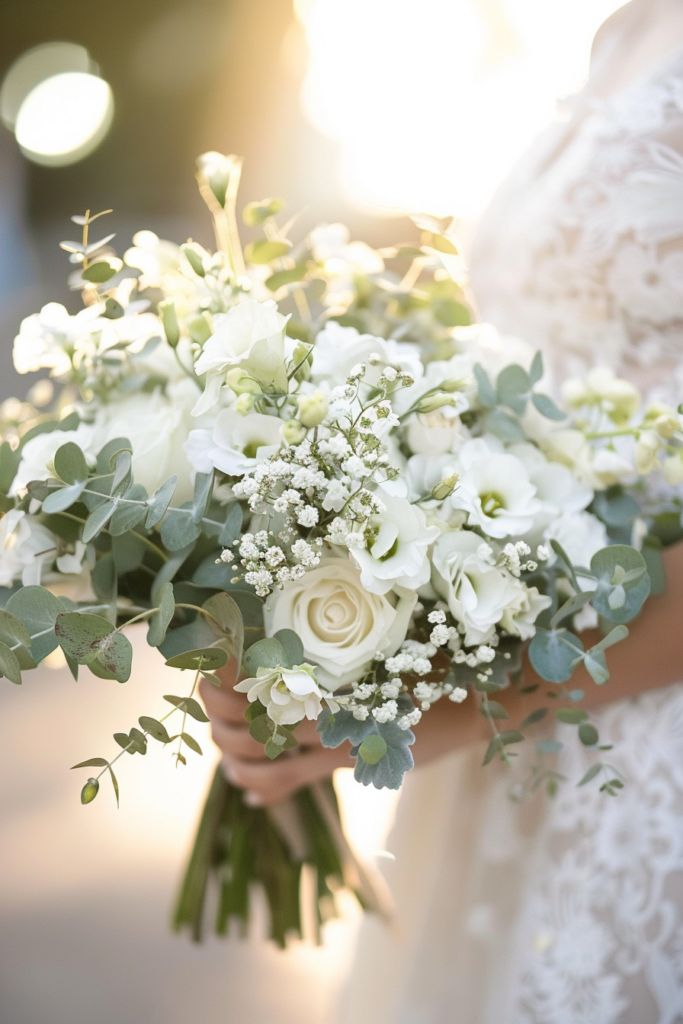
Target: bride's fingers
[[269, 782], [223, 703], [234, 741]]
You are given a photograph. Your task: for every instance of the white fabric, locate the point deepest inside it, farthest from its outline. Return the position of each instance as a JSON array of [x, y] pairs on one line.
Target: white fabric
[[567, 911]]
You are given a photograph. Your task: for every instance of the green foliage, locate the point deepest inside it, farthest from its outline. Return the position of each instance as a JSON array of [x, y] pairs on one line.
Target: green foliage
[[189, 705], [622, 582], [160, 621], [38, 609], [266, 251], [266, 653], [554, 653], [385, 770], [92, 640]]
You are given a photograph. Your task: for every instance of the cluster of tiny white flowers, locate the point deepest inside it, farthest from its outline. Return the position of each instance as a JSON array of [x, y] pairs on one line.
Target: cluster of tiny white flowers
[[265, 564], [514, 558]]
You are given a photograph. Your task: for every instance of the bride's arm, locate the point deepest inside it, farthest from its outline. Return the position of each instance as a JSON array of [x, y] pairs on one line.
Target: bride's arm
[[650, 658]]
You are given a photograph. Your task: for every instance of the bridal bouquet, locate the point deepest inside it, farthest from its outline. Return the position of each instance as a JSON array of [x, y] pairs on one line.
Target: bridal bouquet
[[303, 459]]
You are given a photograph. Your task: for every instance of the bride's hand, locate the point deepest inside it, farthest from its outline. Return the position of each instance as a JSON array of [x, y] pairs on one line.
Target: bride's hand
[[244, 761], [444, 729]]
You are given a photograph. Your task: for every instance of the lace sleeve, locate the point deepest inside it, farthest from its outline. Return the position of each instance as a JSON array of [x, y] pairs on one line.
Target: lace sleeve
[[633, 243]]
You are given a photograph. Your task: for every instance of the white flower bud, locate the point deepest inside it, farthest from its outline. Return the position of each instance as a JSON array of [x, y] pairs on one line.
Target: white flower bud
[[313, 409], [244, 404], [293, 432], [241, 382]]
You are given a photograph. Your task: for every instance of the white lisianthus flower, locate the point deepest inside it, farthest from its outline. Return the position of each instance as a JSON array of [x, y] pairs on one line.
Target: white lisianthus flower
[[47, 340], [581, 534], [519, 618], [342, 626], [249, 336], [396, 542], [339, 349], [288, 694], [235, 444], [557, 488], [156, 425], [434, 433], [38, 452], [477, 592], [495, 490], [26, 546]]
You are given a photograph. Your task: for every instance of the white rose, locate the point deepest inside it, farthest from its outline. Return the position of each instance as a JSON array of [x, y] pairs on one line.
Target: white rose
[[288, 694], [339, 349], [235, 444], [477, 592], [249, 336], [495, 490], [37, 454], [396, 544], [340, 624], [25, 547], [519, 618]]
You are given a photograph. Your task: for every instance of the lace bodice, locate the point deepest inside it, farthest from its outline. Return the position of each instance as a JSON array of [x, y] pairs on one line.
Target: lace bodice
[[581, 251]]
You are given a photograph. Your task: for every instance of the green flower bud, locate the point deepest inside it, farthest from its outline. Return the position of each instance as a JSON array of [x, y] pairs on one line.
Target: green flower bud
[[193, 255], [170, 321], [453, 385], [293, 432], [90, 791], [430, 403], [313, 409], [199, 328], [244, 404], [215, 170], [445, 488], [241, 382]]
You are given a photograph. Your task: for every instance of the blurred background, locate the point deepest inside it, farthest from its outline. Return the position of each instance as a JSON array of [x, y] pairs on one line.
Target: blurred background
[[355, 110]]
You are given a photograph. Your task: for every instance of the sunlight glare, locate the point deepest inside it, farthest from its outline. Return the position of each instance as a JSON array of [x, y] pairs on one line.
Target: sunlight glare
[[64, 118], [431, 104]]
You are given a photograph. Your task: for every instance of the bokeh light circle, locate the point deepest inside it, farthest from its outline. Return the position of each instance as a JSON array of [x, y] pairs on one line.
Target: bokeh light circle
[[64, 118]]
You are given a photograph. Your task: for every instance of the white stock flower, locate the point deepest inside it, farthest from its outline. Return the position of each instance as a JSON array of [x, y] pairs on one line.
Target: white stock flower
[[519, 618], [47, 340], [476, 591], [288, 694], [495, 490], [396, 542], [235, 443], [341, 625], [249, 336], [25, 547], [339, 349]]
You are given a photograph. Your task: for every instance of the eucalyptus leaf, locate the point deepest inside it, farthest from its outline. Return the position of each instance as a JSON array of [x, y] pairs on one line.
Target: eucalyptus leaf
[[201, 659], [161, 619], [177, 528], [89, 638], [266, 653], [38, 609], [70, 465], [620, 566], [188, 704], [97, 520], [292, 646], [545, 405], [155, 728], [65, 497], [9, 664], [554, 653]]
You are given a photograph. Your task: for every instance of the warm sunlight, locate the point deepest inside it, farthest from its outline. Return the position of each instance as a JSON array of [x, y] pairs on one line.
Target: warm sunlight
[[430, 107]]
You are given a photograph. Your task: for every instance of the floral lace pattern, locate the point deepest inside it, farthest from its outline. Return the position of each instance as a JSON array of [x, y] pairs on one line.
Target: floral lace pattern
[[570, 913]]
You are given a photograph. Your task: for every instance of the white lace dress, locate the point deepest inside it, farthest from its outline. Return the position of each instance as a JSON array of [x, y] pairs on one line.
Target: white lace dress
[[567, 911]]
